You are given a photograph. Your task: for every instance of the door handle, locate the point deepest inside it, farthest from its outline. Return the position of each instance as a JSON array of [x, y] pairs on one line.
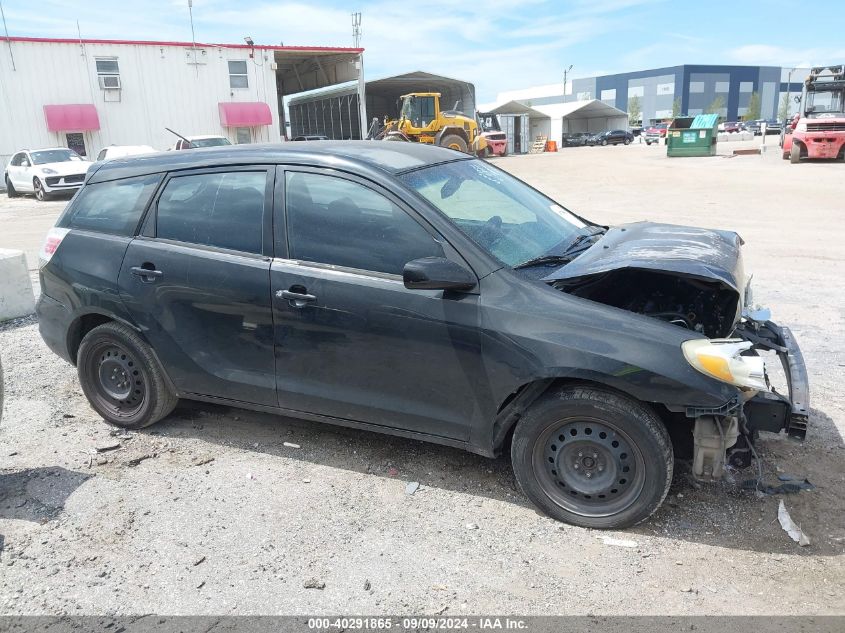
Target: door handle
[[296, 299], [147, 275]]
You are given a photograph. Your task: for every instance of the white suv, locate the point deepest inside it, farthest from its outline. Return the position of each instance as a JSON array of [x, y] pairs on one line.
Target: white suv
[[44, 172]]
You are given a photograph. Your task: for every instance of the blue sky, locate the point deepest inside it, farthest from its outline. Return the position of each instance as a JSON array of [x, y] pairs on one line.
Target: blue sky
[[496, 44]]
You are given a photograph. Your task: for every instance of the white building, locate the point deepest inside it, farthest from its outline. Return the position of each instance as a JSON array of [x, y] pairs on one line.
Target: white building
[[88, 94]]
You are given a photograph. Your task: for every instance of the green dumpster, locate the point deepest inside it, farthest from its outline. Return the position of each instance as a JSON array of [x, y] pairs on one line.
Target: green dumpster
[[693, 136]]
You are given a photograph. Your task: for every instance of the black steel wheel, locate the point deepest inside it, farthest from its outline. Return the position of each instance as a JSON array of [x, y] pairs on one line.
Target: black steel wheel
[[121, 378], [593, 458]]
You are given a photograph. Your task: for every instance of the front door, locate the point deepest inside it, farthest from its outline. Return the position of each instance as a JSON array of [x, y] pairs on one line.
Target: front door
[[351, 341], [197, 282]]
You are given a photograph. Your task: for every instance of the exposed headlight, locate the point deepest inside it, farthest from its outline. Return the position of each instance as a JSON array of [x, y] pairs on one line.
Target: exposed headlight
[[801, 127], [47, 170], [721, 359]]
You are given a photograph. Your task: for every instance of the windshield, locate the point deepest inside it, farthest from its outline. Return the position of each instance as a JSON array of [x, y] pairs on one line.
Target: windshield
[[210, 142], [418, 110], [503, 215], [54, 156], [821, 103]]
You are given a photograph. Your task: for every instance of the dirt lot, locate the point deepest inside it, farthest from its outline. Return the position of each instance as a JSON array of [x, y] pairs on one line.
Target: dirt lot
[[211, 512]]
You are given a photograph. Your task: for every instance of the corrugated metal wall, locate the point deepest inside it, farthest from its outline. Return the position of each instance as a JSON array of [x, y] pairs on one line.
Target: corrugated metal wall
[[336, 117], [160, 88]]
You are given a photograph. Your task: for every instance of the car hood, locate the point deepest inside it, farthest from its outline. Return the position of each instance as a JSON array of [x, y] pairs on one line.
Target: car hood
[[67, 167], [705, 254]]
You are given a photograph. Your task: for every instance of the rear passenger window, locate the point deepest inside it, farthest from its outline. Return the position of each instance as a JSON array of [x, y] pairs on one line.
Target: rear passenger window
[[225, 210], [335, 221], [111, 207]]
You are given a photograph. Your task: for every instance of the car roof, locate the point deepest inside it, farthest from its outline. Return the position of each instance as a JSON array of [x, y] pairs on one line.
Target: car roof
[[391, 157]]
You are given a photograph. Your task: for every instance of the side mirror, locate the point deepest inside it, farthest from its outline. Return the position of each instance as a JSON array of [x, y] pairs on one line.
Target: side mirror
[[797, 98], [437, 273]]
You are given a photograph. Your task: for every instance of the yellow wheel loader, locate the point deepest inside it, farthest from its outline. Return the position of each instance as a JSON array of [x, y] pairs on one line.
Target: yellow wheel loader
[[422, 121]]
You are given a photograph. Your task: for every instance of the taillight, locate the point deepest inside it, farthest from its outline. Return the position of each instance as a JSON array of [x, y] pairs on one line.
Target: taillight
[[51, 244]]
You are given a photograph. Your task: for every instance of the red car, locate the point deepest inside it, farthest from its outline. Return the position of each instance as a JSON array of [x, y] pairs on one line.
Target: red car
[[654, 133]]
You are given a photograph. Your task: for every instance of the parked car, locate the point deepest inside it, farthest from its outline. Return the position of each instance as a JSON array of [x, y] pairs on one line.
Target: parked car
[[194, 142], [311, 137], [654, 133], [44, 172], [368, 288], [773, 126], [121, 151], [731, 127], [612, 137], [575, 139]]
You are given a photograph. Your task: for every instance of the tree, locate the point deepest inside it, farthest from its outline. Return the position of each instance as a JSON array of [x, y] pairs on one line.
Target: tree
[[717, 106], [783, 112], [754, 107], [634, 110], [676, 108]]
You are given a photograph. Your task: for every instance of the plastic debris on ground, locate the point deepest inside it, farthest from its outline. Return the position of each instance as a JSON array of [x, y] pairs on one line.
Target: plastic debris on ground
[[412, 487], [609, 540], [789, 526], [791, 485]]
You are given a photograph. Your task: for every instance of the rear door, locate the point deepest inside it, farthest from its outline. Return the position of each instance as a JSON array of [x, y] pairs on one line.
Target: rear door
[[197, 282], [351, 341]]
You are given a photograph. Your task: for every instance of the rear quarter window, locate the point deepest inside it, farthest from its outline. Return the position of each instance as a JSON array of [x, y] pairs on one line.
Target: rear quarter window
[[111, 207]]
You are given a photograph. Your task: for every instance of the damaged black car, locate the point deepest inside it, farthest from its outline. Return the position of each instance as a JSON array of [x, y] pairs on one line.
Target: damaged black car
[[411, 290]]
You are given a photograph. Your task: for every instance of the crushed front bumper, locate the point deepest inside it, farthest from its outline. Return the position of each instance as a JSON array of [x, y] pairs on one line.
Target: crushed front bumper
[[770, 410]]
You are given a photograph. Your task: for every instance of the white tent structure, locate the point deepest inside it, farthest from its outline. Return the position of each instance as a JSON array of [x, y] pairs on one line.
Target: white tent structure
[[554, 119]]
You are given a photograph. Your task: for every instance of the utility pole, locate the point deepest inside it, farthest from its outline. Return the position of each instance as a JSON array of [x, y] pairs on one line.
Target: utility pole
[[193, 35], [565, 72], [356, 29], [8, 41]]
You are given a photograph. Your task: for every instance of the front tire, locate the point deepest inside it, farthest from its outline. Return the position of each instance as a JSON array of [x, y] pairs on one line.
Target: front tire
[[592, 458], [455, 142], [38, 188], [121, 378], [795, 153], [627, 141], [10, 189], [604, 142]]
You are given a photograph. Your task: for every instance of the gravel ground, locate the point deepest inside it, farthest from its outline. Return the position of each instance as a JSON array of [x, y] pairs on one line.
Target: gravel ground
[[214, 512]]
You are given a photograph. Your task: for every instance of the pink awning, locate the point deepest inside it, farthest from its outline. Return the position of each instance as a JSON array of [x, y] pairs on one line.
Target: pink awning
[[78, 117], [245, 114]]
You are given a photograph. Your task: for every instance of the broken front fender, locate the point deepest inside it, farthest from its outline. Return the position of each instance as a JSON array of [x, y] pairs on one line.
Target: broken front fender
[[770, 410]]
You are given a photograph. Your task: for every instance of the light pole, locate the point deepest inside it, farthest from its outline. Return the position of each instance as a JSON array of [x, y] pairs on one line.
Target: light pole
[[565, 72], [788, 93]]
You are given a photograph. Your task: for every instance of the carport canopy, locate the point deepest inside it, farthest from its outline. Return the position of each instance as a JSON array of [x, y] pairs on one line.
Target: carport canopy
[[383, 94]]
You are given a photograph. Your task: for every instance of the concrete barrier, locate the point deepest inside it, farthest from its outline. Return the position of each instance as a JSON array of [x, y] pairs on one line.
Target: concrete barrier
[[734, 136], [16, 296]]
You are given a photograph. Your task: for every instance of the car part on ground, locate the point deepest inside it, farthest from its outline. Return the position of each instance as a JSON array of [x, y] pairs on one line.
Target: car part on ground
[[516, 327]]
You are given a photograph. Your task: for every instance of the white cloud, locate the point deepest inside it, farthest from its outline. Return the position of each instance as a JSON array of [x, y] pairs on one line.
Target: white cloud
[[769, 55]]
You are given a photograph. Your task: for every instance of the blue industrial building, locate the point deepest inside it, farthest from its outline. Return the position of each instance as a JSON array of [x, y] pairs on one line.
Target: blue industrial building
[[696, 86]]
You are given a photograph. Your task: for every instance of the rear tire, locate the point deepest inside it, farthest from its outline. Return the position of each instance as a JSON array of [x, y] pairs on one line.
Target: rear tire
[[604, 142], [455, 142], [10, 189], [795, 153], [121, 378], [593, 458]]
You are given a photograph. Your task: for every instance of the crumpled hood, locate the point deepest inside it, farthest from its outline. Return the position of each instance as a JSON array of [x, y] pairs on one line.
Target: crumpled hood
[[66, 167], [706, 254]]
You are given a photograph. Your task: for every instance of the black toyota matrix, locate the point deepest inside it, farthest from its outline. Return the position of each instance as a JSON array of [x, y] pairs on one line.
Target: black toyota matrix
[[418, 291]]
